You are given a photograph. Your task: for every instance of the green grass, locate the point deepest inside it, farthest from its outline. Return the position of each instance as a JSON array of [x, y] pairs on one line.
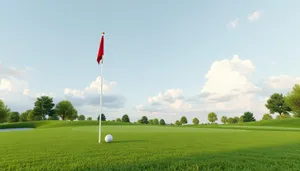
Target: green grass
[[290, 124], [74, 147], [55, 124]]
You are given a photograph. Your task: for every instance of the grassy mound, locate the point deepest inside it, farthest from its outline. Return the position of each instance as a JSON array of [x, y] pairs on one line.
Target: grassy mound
[[289, 122], [53, 124]]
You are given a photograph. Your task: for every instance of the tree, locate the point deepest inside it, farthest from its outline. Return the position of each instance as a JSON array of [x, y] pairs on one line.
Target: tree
[[89, 118], [125, 118], [195, 121], [230, 120], [241, 119], [24, 115], [13, 117], [74, 116], [248, 117], [155, 121], [44, 106], [178, 123], [4, 112], [224, 119], [236, 119], [267, 117], [65, 110], [53, 117], [103, 118], [81, 117], [284, 116], [293, 100], [277, 104], [162, 122], [30, 116], [183, 120], [212, 117], [150, 121], [118, 120], [144, 120]]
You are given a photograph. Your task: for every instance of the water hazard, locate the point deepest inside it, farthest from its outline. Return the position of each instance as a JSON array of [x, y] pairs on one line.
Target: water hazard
[[15, 129]]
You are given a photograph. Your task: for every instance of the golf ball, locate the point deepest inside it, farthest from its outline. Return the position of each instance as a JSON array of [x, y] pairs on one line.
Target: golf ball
[[108, 138]]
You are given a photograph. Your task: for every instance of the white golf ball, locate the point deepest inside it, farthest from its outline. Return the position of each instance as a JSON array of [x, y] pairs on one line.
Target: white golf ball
[[108, 138]]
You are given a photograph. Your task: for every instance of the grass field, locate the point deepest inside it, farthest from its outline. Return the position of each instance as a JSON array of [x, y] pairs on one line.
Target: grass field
[[73, 146]]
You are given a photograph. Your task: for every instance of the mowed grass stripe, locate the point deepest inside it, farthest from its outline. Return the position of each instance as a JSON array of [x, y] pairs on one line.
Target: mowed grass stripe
[[141, 147]]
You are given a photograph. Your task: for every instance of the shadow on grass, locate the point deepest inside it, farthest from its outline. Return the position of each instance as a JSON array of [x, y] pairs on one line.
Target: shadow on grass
[[128, 141], [274, 158]]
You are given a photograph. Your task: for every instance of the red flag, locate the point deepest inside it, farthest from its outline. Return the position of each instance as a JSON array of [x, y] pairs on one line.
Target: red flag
[[101, 50]]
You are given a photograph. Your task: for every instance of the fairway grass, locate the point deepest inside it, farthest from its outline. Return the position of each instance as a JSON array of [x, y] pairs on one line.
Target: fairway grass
[[149, 148]]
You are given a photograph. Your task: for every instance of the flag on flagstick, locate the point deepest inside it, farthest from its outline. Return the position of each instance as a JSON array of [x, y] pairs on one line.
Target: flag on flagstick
[[100, 58], [101, 50]]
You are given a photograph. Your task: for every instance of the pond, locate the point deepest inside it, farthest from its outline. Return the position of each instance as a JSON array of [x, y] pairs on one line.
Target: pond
[[15, 129]]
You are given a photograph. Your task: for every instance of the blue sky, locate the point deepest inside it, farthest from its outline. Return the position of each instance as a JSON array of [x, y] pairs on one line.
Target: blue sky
[[150, 47]]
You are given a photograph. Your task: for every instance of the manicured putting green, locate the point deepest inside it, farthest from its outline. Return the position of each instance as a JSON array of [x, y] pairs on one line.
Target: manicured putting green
[[149, 148]]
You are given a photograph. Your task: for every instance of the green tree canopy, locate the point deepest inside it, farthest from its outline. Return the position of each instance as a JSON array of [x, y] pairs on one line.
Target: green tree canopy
[[236, 119], [183, 120], [212, 117], [89, 118], [103, 118], [125, 118], [150, 121], [30, 116], [119, 120], [277, 104], [53, 117], [293, 99], [267, 117], [144, 120], [65, 110], [74, 116], [248, 117], [178, 123], [81, 117], [241, 119], [230, 120], [195, 121], [155, 121], [13, 117], [224, 119], [162, 122], [4, 112], [24, 116], [44, 106]]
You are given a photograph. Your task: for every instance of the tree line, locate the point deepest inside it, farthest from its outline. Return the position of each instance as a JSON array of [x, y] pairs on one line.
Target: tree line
[[286, 106], [45, 109]]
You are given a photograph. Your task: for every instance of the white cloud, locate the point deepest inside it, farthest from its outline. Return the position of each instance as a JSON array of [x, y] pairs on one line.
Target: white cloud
[[254, 16], [91, 95], [12, 72], [282, 82], [5, 85], [171, 101], [234, 23], [228, 77], [227, 90]]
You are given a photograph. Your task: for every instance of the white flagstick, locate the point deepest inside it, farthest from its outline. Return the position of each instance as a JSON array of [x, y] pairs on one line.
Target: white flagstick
[[100, 120], [101, 100]]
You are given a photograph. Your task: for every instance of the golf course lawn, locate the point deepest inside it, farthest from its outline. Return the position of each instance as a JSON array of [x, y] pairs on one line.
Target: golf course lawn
[[138, 147]]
